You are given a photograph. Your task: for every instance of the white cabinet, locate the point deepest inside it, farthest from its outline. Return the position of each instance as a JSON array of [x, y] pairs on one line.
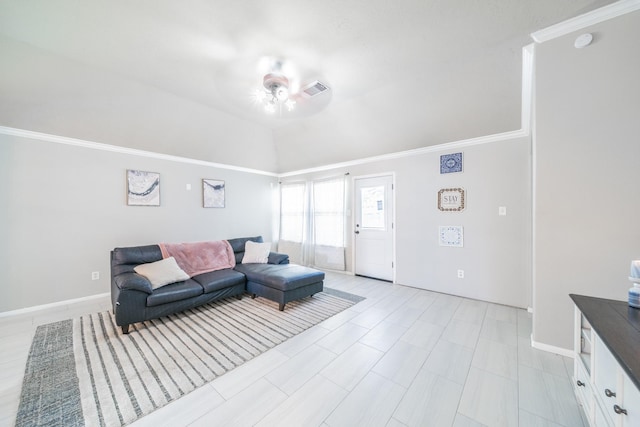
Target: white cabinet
[[631, 400], [603, 388]]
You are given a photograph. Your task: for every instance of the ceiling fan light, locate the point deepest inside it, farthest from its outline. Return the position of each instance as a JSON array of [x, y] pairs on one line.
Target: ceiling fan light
[[270, 107], [281, 93], [290, 104], [260, 95]]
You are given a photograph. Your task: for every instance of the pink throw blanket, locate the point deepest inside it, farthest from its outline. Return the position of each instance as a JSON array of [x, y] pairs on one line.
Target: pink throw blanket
[[200, 257]]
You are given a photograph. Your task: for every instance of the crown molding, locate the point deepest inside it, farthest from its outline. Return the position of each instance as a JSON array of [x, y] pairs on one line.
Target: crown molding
[[123, 150], [579, 22], [528, 57], [415, 152]]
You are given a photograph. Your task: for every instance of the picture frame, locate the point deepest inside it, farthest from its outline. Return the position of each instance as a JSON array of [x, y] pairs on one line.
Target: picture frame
[[451, 163], [452, 199], [451, 235], [213, 193], [143, 188]]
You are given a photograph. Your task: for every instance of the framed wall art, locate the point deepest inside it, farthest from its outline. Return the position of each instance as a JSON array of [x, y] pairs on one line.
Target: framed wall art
[[143, 188], [450, 163], [212, 193], [451, 199], [451, 235]]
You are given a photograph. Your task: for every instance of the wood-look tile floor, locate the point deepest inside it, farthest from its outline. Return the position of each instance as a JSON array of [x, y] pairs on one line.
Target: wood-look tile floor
[[402, 357]]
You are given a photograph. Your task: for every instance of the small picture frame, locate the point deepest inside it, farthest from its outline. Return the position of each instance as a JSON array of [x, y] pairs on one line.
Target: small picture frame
[[213, 193], [451, 199], [450, 163], [451, 235], [143, 188]]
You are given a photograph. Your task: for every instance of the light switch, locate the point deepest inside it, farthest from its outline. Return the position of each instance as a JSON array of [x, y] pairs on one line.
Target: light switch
[[188, 187], [502, 210]]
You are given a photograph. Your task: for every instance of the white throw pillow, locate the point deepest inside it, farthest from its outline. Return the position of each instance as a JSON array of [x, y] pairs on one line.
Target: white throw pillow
[[256, 253], [162, 272]]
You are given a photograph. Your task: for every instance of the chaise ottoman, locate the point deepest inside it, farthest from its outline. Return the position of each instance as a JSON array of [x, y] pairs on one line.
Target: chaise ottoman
[[281, 283]]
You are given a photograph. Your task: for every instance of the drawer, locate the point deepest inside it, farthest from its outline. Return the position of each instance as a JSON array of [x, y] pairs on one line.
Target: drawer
[[601, 420], [631, 403], [582, 387], [605, 372]]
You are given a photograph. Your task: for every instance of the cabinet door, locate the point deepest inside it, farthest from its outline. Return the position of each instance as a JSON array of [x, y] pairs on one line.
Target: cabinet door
[[605, 371], [631, 403], [582, 385]]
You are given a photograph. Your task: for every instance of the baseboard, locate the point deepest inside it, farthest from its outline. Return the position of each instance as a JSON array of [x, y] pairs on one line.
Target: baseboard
[[552, 349], [44, 307]]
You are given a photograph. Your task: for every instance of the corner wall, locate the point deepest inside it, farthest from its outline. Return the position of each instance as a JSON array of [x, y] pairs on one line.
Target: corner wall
[[64, 208], [587, 172], [496, 256]]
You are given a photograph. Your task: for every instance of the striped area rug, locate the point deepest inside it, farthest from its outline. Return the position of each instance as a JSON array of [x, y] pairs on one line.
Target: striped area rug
[[113, 379]]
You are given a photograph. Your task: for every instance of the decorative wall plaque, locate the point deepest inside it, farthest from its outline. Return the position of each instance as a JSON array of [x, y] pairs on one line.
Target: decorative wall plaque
[[451, 235], [450, 163], [451, 199]]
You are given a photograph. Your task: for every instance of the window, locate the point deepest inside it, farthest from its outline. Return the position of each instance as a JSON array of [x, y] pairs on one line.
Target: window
[[312, 222], [328, 212], [292, 202]]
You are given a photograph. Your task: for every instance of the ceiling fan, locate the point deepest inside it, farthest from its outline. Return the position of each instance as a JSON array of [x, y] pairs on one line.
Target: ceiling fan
[[277, 88]]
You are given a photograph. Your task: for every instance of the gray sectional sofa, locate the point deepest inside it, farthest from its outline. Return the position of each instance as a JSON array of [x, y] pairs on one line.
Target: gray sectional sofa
[[135, 300]]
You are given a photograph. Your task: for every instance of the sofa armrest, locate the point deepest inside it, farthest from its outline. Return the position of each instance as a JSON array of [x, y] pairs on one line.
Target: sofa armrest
[[133, 281], [277, 258]]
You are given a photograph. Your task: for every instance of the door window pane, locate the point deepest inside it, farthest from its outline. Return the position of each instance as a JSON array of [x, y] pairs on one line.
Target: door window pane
[[372, 207]]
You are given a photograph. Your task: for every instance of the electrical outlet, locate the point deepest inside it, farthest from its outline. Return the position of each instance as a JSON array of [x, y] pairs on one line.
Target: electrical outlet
[[95, 275], [502, 210], [460, 274]]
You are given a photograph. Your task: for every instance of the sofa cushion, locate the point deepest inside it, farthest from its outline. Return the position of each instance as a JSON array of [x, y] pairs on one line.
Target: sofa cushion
[[219, 279], [174, 292], [238, 245], [123, 260], [256, 253], [283, 277], [161, 273]]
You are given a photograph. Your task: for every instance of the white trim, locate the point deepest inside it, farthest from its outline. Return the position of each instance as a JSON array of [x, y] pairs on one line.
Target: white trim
[[528, 55], [552, 349], [417, 151], [579, 22], [44, 307], [122, 150], [524, 131]]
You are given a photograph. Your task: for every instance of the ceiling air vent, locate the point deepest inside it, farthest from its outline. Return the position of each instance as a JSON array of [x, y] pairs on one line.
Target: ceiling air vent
[[314, 89]]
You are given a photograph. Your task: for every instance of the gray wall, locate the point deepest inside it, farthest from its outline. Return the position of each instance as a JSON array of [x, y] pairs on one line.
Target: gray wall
[[64, 208], [587, 172], [496, 255]]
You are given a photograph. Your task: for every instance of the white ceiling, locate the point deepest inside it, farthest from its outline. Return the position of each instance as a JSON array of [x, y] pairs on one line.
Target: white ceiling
[[174, 77]]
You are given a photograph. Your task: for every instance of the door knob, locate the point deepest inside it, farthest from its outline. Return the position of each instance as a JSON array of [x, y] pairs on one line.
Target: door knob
[[357, 232]]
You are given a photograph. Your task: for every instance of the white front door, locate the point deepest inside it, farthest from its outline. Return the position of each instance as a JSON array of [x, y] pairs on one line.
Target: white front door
[[373, 227]]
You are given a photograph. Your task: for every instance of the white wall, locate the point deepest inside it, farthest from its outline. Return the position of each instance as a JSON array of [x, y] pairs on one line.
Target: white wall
[[588, 171], [64, 208], [496, 255]]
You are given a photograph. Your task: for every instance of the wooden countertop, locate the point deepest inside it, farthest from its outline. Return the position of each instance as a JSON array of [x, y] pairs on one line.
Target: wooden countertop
[[618, 325]]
